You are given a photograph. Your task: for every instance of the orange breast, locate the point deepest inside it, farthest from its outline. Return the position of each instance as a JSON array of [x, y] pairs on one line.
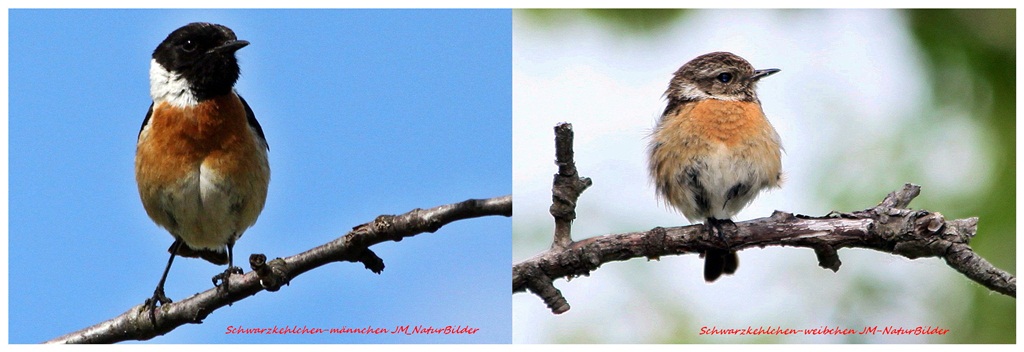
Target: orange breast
[[728, 142], [729, 122], [178, 140]]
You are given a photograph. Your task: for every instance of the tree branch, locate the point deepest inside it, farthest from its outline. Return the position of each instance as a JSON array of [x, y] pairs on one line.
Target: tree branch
[[135, 324], [887, 227], [566, 188]]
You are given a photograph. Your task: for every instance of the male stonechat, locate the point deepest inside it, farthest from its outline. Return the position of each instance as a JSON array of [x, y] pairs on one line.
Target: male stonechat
[[201, 158]]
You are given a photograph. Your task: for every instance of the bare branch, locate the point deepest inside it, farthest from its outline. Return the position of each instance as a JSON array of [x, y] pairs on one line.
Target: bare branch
[[135, 324], [566, 188], [887, 227]]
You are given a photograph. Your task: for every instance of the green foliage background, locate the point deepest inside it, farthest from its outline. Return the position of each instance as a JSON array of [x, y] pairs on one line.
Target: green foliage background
[[970, 59]]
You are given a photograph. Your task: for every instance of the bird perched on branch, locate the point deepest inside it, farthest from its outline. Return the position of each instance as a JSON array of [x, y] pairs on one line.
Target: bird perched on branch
[[713, 149], [201, 158]]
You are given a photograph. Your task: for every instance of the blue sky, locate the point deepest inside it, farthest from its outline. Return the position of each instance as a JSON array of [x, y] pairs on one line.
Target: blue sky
[[367, 112]]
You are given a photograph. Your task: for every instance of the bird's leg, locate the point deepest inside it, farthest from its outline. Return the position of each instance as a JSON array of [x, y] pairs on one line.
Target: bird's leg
[[714, 226], [232, 269], [158, 294]]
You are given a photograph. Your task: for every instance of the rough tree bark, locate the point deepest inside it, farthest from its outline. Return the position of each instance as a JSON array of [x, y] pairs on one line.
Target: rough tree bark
[[135, 324], [887, 227]]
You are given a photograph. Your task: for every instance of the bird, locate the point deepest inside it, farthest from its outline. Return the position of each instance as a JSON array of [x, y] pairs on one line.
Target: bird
[[201, 157], [713, 150]]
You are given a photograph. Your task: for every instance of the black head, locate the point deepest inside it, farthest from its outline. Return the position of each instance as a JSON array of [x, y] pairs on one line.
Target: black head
[[204, 55], [717, 75]]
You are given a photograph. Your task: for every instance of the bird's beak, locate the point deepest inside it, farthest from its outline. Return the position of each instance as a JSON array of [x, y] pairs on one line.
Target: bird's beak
[[231, 46], [759, 74]]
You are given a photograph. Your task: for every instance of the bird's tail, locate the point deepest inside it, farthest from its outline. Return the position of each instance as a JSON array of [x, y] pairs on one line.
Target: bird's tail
[[215, 256]]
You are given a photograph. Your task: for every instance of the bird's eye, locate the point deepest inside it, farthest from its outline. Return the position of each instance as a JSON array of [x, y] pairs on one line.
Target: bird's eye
[[189, 46], [724, 77]]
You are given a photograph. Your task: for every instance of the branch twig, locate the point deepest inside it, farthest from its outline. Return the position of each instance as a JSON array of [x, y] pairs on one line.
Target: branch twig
[[566, 188], [887, 227], [135, 324]]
